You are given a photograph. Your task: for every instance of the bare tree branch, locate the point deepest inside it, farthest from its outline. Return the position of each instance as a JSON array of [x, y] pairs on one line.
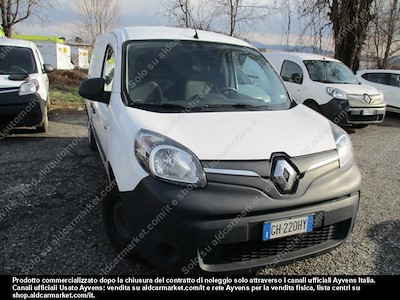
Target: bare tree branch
[[190, 14], [384, 33], [96, 17], [227, 16], [16, 11], [348, 22]]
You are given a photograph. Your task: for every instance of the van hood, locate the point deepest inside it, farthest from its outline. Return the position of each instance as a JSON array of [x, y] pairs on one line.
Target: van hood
[[242, 135], [354, 89], [5, 82]]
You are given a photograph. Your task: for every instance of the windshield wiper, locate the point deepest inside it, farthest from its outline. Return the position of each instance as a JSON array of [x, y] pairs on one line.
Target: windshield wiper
[[238, 106], [164, 106]]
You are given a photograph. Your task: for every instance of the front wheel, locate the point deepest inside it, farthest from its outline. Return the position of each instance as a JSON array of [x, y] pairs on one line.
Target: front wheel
[[360, 126], [313, 105], [44, 126], [116, 224]]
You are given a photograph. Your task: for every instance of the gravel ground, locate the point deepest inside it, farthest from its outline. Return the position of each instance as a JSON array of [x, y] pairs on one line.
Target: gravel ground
[[47, 180]]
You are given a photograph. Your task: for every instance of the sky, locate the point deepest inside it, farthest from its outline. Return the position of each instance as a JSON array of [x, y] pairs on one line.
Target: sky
[[58, 20]]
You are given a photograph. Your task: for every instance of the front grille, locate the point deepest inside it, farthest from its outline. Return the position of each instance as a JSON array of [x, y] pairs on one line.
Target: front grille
[[361, 98], [247, 251], [359, 118], [9, 90]]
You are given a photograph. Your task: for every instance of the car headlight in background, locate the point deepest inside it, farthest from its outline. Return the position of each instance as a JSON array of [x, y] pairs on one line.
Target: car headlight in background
[[336, 93], [168, 160], [382, 95], [344, 147], [29, 87]]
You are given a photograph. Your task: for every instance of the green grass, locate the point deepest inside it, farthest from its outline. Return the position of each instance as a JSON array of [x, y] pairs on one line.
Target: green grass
[[66, 98]]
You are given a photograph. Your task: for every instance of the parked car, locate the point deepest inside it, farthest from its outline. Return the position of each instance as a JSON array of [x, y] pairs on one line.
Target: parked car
[[329, 87], [24, 86], [217, 168], [387, 81]]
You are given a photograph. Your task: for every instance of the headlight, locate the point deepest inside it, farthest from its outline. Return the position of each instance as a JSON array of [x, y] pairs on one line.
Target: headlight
[[344, 147], [168, 160], [382, 96], [338, 94], [28, 88]]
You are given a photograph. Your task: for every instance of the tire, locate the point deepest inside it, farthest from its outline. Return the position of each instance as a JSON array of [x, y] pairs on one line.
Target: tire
[[91, 139], [44, 126], [313, 105], [360, 126], [116, 224]]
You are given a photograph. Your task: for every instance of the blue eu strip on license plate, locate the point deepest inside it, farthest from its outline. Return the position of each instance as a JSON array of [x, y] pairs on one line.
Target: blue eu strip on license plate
[[287, 227]]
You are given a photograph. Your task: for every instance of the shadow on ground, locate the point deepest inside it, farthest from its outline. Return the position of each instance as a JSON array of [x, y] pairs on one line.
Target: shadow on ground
[[387, 236]]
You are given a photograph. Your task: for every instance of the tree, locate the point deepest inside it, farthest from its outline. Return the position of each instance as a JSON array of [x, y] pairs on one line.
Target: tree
[[190, 14], [221, 15], [314, 25], [347, 22], [96, 17], [239, 12], [384, 32], [16, 11], [350, 21]]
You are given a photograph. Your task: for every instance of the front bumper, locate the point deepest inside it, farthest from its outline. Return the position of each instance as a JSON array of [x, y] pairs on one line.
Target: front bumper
[[219, 228], [21, 111], [342, 112], [393, 109]]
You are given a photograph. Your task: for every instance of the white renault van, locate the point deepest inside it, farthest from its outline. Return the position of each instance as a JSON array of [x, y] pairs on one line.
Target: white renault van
[[387, 81], [24, 86], [217, 168], [329, 87]]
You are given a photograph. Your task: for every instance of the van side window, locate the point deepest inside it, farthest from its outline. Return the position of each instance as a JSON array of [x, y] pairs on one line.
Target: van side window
[[395, 80], [291, 72], [108, 69], [383, 78], [380, 78]]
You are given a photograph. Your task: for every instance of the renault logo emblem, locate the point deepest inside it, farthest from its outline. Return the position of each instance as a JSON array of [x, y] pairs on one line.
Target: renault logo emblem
[[367, 98], [284, 176]]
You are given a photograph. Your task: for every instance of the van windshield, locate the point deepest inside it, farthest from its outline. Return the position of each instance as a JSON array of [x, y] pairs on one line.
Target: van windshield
[[17, 60], [330, 72], [173, 75]]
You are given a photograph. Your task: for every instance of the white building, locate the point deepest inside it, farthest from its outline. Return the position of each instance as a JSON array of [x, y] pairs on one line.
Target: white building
[[56, 54], [80, 57]]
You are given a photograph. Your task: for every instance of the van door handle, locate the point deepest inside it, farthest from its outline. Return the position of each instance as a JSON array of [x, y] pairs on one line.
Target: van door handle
[[93, 109]]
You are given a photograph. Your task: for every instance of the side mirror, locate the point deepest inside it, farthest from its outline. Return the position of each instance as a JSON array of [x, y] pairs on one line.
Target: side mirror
[[93, 89], [48, 68], [297, 78]]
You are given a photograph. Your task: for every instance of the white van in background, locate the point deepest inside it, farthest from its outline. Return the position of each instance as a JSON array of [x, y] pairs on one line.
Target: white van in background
[[387, 81], [329, 87], [24, 86]]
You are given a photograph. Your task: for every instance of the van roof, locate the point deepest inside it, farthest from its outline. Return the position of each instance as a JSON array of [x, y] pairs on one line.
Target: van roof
[[176, 34], [16, 43], [299, 56]]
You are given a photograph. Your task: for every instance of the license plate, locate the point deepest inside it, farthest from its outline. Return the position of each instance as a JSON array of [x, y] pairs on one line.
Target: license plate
[[282, 228], [368, 112]]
